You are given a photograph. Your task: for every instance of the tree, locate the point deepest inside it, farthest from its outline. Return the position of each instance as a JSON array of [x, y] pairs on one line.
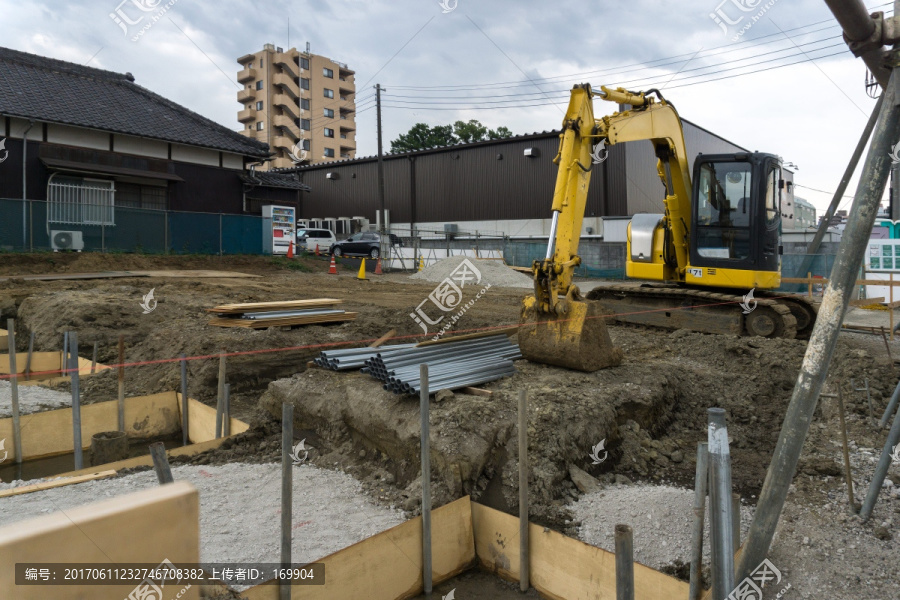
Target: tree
[[422, 137], [473, 131], [499, 133]]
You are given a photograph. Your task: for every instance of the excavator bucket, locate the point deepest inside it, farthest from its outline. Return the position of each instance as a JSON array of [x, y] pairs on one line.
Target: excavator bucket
[[578, 340]]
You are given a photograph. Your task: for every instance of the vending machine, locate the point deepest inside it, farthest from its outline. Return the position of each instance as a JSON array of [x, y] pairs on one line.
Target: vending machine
[[279, 228]]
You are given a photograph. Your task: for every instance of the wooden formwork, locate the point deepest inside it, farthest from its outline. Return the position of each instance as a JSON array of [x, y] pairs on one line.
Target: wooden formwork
[[50, 433], [46, 367], [151, 526]]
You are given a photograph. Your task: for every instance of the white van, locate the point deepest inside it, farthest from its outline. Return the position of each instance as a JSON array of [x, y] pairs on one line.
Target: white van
[[309, 238]]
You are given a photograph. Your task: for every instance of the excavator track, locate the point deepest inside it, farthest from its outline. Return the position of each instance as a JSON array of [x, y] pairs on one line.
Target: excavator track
[[804, 309], [673, 307]]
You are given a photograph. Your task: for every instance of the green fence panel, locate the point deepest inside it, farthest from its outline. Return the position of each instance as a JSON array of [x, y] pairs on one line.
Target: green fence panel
[[242, 234], [193, 233], [799, 265], [137, 230], [11, 234]]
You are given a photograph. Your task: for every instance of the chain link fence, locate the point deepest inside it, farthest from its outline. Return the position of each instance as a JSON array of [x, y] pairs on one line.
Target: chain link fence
[[24, 226]]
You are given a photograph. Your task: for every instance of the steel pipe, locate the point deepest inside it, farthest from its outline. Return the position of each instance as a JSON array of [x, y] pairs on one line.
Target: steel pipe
[[700, 485], [720, 507], [821, 345]]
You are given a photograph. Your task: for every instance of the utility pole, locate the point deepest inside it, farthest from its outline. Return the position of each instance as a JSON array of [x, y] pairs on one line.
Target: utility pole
[[378, 90]]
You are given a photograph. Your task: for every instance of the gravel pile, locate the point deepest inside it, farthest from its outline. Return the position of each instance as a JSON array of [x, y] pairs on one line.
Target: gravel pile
[[240, 509], [32, 398], [492, 272], [660, 518]]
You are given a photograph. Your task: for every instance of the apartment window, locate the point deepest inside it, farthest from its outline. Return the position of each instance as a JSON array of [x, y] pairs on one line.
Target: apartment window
[[304, 103], [304, 83], [329, 132], [343, 136], [304, 63], [329, 152], [306, 144], [304, 124], [328, 73], [329, 93], [259, 105], [261, 65], [259, 125], [329, 113], [259, 84]]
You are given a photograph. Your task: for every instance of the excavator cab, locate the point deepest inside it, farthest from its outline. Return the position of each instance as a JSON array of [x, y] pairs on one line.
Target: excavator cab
[[736, 211]]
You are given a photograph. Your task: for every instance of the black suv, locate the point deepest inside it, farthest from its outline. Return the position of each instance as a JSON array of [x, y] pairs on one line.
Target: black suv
[[362, 244]]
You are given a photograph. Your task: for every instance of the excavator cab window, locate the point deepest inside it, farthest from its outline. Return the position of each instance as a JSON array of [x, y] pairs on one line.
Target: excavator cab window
[[736, 210], [723, 210]]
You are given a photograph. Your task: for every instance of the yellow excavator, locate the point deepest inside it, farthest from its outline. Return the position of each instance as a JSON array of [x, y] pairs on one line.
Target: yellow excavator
[[716, 244]]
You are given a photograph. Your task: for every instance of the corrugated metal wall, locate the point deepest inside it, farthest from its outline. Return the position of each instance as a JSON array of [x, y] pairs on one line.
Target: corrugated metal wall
[[645, 190], [484, 181]]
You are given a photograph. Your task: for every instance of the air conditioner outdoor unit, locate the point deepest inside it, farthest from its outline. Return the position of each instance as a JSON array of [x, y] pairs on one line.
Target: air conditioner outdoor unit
[[66, 240]]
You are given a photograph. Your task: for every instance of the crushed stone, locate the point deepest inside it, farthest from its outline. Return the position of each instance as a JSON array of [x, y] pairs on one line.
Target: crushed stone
[[240, 509], [32, 399], [493, 272], [660, 517]]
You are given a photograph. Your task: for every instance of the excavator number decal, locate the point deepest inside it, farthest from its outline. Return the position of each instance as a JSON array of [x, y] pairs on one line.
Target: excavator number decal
[[696, 272]]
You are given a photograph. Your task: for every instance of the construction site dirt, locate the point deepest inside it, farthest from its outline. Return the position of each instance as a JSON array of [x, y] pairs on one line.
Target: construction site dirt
[[649, 412]]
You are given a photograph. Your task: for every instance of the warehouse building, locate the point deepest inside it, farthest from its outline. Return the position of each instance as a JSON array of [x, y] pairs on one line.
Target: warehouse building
[[493, 187]]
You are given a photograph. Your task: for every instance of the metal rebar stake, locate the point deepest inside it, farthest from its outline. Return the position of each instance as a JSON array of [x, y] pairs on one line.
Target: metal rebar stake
[[185, 412], [161, 463], [14, 383], [624, 563], [28, 359], [426, 479], [226, 411], [825, 334], [220, 395], [76, 401], [847, 472], [287, 490], [891, 407], [700, 485], [523, 492], [721, 544], [121, 397]]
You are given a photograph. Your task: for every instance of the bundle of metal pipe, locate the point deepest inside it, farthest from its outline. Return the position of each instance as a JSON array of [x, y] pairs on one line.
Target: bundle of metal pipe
[[353, 358], [451, 365]]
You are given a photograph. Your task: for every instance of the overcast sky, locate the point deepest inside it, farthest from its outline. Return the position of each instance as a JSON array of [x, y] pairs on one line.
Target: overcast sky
[[502, 62]]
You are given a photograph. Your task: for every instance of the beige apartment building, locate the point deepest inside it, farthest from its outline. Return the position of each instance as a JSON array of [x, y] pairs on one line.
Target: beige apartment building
[[301, 104]]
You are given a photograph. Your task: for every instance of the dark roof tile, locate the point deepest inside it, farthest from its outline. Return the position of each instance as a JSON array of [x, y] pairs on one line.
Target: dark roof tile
[[55, 91]]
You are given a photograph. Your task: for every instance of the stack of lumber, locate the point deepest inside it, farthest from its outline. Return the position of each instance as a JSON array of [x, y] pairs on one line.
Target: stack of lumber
[[259, 315]]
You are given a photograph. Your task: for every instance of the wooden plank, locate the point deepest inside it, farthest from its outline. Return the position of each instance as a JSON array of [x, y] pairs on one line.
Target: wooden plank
[[266, 323], [388, 566], [893, 304], [866, 301], [473, 391], [55, 483], [471, 336], [49, 433], [383, 338], [149, 526], [278, 305], [202, 421], [146, 461], [561, 568]]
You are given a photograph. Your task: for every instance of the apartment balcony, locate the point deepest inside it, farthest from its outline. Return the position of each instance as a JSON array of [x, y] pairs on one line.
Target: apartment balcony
[[247, 115], [245, 75], [287, 124], [288, 85], [244, 96], [348, 146], [286, 62], [287, 103], [281, 141], [347, 125]]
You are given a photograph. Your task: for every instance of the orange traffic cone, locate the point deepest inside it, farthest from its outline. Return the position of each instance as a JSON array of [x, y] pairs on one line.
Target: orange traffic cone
[[290, 253], [332, 270], [317, 250], [362, 271], [378, 268]]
